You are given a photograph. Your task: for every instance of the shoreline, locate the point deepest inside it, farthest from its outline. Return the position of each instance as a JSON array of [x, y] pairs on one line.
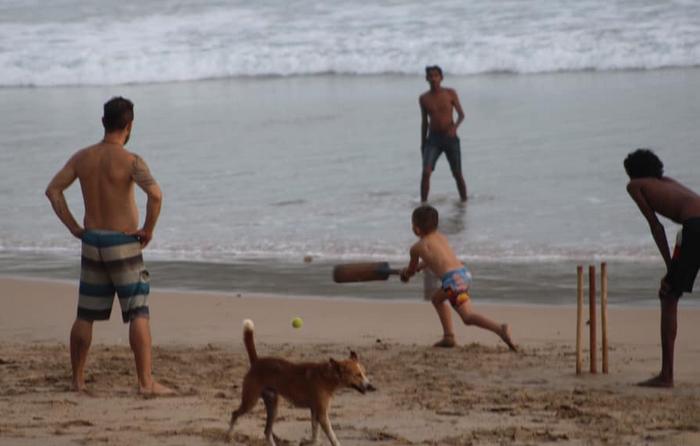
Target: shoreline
[[631, 284], [646, 305]]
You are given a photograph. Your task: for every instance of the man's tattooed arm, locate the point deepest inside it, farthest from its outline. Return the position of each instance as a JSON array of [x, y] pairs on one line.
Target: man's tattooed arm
[[141, 174]]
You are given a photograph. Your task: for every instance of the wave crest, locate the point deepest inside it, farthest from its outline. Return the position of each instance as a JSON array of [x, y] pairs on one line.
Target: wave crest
[[307, 38]]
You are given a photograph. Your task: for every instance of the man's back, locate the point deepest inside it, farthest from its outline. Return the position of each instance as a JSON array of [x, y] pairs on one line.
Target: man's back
[[667, 197], [105, 171]]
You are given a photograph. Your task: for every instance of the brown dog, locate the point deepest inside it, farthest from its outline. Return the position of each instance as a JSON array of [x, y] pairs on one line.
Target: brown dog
[[307, 384]]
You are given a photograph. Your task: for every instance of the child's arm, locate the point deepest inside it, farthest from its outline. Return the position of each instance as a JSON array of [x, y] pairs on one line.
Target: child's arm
[[413, 265]]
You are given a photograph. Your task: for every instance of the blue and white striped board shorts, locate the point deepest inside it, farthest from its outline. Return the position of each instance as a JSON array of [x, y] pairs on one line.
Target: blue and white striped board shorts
[[112, 262]]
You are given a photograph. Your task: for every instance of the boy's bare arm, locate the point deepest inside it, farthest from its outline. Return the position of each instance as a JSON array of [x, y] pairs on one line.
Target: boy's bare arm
[[458, 108], [412, 267], [658, 232], [423, 124]]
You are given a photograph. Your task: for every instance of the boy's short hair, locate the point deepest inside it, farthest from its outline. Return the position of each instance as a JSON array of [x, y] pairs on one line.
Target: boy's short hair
[[430, 68], [643, 163], [425, 218], [118, 113]]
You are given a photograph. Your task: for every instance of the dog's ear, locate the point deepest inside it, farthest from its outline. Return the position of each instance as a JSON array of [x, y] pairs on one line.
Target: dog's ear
[[335, 365], [353, 355]]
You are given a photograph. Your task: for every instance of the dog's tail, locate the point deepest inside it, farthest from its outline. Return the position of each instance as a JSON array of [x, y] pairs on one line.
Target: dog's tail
[[248, 340]]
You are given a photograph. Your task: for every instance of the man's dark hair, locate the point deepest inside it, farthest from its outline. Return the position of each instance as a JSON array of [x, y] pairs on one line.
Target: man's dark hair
[[118, 113], [425, 218], [430, 68], [643, 163]]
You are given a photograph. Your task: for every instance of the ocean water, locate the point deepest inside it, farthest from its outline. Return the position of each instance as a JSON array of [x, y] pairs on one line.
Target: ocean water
[[284, 131], [73, 42]]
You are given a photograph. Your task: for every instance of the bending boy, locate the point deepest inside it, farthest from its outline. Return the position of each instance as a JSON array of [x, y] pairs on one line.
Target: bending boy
[[433, 251], [657, 194]]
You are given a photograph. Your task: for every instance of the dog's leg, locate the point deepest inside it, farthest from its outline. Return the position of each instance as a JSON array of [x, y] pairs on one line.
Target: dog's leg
[[249, 397], [314, 430], [326, 425], [271, 400]]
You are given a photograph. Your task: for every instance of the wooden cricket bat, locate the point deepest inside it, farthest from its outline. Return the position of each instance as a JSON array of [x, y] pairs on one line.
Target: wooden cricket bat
[[362, 272]]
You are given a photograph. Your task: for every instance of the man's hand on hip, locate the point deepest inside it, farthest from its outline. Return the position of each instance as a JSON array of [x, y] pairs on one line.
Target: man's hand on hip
[[143, 236], [78, 232]]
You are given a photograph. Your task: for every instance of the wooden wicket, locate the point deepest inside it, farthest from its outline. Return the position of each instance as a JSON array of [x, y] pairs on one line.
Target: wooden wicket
[[592, 317], [579, 319], [604, 313]]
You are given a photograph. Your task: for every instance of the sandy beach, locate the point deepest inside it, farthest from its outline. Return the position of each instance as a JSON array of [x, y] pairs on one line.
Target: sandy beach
[[284, 138], [475, 394]]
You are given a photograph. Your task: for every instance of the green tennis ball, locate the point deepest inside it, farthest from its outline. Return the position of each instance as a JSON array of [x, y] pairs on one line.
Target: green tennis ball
[[297, 322]]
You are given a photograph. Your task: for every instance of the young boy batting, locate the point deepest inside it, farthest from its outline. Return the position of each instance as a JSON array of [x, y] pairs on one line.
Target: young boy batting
[[433, 251]]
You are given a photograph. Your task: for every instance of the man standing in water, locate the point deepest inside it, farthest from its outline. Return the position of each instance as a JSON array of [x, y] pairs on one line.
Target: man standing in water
[[657, 194], [111, 258], [439, 131]]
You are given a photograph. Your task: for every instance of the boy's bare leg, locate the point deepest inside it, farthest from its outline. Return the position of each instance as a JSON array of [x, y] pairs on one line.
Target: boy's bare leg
[[461, 185], [470, 317], [439, 300], [80, 339], [140, 340], [669, 328], [425, 184]]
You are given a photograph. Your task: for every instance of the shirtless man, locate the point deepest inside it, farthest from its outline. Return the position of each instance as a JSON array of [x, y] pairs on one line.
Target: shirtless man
[[111, 240], [657, 194], [439, 131]]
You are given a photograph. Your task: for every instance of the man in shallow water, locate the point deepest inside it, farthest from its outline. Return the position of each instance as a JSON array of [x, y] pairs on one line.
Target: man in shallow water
[[658, 194], [111, 259], [439, 131]]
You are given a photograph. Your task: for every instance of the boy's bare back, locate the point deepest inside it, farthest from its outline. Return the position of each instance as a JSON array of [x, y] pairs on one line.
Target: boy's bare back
[[666, 197], [436, 253]]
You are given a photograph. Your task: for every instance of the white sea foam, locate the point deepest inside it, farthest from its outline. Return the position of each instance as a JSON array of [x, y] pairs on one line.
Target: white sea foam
[[70, 43], [293, 253]]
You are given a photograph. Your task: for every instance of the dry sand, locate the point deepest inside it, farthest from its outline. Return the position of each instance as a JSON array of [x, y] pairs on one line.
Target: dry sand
[[475, 394]]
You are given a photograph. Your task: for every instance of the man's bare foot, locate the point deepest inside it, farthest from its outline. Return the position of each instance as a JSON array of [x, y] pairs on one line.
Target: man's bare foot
[[156, 389], [505, 335], [657, 381], [447, 341]]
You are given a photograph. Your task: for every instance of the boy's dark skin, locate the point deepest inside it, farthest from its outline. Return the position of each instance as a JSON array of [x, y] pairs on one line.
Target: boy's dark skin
[[673, 200], [436, 107]]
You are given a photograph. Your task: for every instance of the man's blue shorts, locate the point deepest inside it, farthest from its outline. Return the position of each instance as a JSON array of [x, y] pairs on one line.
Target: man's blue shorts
[[111, 262], [438, 143]]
